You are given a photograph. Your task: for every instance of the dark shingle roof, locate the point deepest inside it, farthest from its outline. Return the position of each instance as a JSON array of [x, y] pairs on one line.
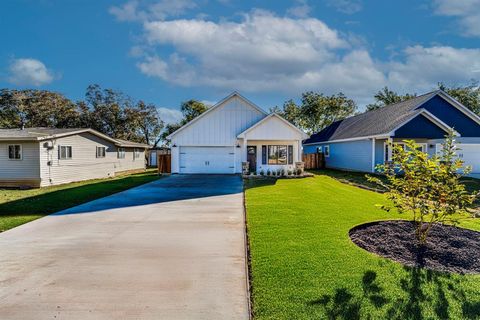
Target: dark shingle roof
[[373, 122], [36, 134]]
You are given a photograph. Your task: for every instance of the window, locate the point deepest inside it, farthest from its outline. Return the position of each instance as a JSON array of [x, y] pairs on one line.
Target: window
[[388, 157], [277, 155], [121, 153], [326, 151], [100, 152], [64, 152], [136, 153], [15, 152]]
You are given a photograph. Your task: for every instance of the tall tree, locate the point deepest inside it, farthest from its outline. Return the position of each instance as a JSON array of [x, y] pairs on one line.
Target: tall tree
[[192, 109], [386, 96], [319, 111], [107, 108], [468, 95], [144, 123], [36, 108], [290, 111]]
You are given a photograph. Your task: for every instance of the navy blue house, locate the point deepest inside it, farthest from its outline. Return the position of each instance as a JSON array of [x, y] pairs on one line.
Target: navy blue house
[[359, 143]]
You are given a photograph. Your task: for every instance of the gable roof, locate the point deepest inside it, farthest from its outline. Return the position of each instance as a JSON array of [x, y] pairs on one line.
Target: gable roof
[[272, 115], [215, 106], [385, 120], [39, 134]]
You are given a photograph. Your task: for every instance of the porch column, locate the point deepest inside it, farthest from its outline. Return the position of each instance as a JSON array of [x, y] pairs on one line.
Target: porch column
[[299, 152], [373, 155], [244, 152], [389, 154]]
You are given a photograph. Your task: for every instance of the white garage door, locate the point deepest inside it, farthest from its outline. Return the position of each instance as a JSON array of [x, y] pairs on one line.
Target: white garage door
[[470, 154], [207, 160]]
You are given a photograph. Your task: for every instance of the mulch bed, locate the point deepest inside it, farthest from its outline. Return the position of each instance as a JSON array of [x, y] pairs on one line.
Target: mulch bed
[[448, 248]]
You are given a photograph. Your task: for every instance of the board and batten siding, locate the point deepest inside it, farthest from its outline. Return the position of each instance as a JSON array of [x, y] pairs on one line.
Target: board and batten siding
[[26, 169], [221, 126], [348, 155], [84, 164]]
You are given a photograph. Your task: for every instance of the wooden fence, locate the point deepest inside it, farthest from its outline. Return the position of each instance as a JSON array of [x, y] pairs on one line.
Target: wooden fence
[[314, 161], [164, 162]]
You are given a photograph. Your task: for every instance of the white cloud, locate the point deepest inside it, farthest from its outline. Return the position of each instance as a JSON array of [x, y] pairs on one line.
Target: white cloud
[[467, 11], [135, 10], [169, 115], [346, 6], [29, 71], [300, 10], [264, 52], [424, 67]]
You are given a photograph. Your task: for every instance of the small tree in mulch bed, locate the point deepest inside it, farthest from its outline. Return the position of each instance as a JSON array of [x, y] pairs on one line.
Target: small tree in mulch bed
[[426, 186]]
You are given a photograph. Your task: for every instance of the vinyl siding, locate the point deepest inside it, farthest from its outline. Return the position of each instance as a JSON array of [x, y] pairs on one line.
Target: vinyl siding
[[348, 155], [84, 164], [26, 169]]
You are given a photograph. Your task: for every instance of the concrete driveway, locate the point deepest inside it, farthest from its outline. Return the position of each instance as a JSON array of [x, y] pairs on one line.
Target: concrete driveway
[[170, 249]]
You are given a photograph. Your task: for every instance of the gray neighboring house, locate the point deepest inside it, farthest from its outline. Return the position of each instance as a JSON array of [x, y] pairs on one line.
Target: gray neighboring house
[[39, 157]]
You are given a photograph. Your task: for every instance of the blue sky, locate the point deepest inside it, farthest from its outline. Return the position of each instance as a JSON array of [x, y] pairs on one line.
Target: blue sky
[[166, 52]]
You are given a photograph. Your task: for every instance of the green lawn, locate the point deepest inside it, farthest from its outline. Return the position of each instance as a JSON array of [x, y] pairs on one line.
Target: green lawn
[[304, 266], [20, 206]]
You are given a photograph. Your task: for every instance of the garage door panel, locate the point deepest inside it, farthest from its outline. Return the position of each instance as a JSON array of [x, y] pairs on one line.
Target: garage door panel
[[207, 160]]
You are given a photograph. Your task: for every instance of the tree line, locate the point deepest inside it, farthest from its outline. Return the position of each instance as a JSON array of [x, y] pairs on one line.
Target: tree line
[[105, 110], [117, 115], [317, 111]]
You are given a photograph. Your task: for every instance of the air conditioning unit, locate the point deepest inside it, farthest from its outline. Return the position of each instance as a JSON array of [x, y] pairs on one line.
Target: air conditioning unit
[[48, 145]]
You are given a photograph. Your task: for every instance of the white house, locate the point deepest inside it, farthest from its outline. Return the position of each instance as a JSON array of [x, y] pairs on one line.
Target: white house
[[39, 157], [233, 131]]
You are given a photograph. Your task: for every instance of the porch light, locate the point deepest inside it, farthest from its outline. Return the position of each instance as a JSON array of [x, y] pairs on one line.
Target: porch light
[[238, 145], [174, 145]]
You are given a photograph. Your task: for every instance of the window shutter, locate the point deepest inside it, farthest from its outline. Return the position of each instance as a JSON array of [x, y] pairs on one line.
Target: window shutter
[[290, 154], [59, 152], [264, 154]]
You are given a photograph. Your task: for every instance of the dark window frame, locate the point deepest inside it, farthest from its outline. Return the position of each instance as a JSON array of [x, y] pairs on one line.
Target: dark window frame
[[101, 154], [15, 149], [68, 155], [276, 161], [121, 153]]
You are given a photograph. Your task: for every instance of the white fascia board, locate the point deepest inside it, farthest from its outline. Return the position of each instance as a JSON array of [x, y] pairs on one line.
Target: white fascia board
[[271, 115], [379, 136], [221, 102]]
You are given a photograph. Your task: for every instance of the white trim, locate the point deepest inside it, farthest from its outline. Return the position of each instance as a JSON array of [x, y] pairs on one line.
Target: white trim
[[442, 125], [459, 106], [379, 136], [373, 155], [326, 147], [221, 102], [271, 115], [424, 146]]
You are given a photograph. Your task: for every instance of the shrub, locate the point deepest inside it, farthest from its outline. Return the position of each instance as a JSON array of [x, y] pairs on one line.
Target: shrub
[[262, 173], [281, 172], [429, 188], [299, 172], [274, 173], [289, 172], [268, 172]]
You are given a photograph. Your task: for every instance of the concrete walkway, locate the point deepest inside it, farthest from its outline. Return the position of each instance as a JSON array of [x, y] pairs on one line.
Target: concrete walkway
[[170, 249]]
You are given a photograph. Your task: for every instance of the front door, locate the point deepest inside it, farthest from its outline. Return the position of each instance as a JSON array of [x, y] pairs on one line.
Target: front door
[[252, 158]]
